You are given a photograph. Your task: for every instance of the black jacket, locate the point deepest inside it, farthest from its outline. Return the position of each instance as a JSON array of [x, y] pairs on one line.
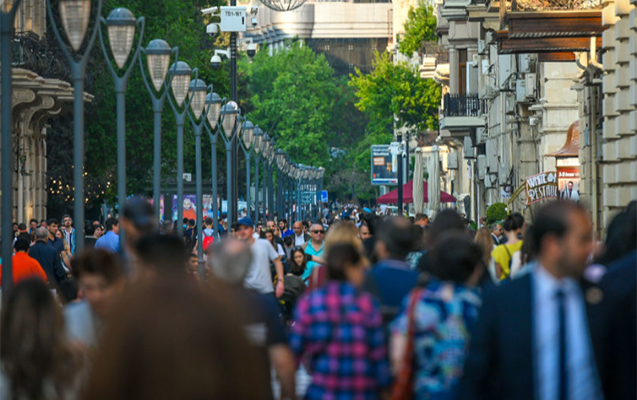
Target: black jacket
[[49, 259], [501, 354]]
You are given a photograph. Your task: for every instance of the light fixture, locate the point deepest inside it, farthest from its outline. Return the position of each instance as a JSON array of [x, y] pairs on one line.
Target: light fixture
[[280, 158], [180, 81], [229, 115], [248, 134], [75, 15], [266, 145], [121, 31], [158, 58], [258, 139], [213, 101], [197, 92]]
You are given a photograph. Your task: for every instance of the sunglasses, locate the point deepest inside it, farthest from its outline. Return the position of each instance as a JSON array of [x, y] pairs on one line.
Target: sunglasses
[[321, 232]]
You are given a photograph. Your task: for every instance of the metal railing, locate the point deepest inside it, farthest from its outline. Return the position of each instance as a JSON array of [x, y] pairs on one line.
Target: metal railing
[[464, 105], [555, 5]]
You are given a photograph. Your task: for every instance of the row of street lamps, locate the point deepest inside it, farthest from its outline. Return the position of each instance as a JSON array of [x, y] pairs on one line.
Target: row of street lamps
[[190, 96]]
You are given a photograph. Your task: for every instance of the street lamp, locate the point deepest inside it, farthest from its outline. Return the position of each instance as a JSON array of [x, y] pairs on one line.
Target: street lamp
[[121, 25], [75, 15], [213, 103], [197, 90], [248, 140], [6, 54], [180, 74], [258, 140], [158, 59], [229, 114]]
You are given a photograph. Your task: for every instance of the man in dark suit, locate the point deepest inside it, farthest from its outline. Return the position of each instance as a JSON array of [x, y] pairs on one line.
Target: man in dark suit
[[532, 339], [300, 237], [48, 257], [496, 231]]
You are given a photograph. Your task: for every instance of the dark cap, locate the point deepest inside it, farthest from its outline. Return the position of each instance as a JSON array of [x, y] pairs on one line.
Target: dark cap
[[247, 221], [139, 211]]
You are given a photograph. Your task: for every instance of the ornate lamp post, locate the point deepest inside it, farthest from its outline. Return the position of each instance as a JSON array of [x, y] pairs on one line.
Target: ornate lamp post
[[265, 149], [213, 102], [248, 140], [121, 25], [280, 163], [180, 75], [197, 90], [6, 30], [158, 59], [75, 15], [258, 143], [229, 115]]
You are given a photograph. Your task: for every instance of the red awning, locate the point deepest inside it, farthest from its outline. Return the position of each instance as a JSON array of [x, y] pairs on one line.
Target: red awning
[[408, 195]]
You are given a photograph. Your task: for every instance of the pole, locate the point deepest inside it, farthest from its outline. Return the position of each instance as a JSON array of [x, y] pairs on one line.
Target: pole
[[248, 184], [78, 159], [215, 211], [6, 30], [234, 166], [256, 189], [229, 182], [156, 159], [180, 172], [265, 184], [121, 156], [400, 176], [199, 190]]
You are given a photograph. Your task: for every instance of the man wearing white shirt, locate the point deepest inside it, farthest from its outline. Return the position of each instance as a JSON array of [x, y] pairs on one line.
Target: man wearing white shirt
[[570, 193], [533, 339], [300, 237]]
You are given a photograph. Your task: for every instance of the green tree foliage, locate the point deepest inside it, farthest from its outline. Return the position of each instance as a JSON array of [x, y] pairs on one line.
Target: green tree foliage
[[420, 27], [496, 212]]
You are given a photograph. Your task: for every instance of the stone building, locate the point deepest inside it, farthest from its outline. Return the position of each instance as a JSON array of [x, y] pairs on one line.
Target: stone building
[[34, 100]]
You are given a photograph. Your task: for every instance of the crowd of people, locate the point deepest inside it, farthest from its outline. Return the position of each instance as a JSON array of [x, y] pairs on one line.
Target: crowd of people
[[371, 306]]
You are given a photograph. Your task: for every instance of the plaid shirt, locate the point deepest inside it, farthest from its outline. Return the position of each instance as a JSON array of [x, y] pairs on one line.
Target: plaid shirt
[[340, 331]]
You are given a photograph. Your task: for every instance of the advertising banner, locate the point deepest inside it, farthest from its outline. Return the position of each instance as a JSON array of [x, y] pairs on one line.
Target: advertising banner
[[541, 186], [568, 182], [383, 171]]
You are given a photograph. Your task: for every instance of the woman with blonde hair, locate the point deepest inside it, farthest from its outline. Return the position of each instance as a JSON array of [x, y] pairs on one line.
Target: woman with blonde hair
[[485, 241]]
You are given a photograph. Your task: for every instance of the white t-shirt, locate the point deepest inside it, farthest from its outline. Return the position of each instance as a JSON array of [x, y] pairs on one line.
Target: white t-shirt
[[259, 277]]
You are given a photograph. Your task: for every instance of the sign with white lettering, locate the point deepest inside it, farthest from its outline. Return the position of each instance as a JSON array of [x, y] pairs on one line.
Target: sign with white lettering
[[233, 19], [541, 186], [384, 172]]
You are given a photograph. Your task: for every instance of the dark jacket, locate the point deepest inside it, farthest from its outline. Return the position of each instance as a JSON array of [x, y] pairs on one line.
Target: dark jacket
[[49, 259], [500, 364]]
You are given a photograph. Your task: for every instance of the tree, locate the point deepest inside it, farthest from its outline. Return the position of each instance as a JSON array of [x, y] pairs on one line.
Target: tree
[[420, 27]]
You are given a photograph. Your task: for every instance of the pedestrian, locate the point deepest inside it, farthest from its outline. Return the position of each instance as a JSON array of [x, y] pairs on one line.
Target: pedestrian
[[48, 257], [89, 238], [170, 340], [110, 240], [338, 331], [33, 225], [99, 231], [65, 255], [138, 220], [503, 254], [23, 266], [69, 233], [421, 219], [300, 237], [496, 232], [209, 228], [513, 357], [56, 242], [447, 220], [36, 362], [101, 281], [314, 247], [162, 257], [43, 223], [283, 227], [430, 336], [22, 233], [269, 236], [392, 278], [363, 231], [484, 239], [259, 277], [230, 261]]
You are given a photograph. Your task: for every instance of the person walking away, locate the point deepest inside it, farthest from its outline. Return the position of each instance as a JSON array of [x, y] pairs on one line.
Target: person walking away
[[53, 226], [36, 362], [314, 247], [430, 337], [230, 261], [300, 237], [259, 277], [339, 325], [48, 257], [90, 238], [484, 239], [503, 254], [392, 278], [110, 240], [511, 355], [69, 232], [24, 267], [23, 233], [101, 279]]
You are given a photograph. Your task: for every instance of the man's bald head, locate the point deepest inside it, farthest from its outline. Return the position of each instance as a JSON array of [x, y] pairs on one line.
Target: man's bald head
[[298, 228], [41, 234]]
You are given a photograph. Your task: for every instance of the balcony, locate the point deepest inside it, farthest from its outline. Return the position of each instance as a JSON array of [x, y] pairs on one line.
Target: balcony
[[461, 112]]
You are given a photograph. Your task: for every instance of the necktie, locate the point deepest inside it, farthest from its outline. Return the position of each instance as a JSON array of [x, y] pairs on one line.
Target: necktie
[[563, 373]]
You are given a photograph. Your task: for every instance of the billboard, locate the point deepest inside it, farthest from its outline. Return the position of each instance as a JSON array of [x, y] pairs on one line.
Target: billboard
[[383, 170], [541, 186], [568, 182]]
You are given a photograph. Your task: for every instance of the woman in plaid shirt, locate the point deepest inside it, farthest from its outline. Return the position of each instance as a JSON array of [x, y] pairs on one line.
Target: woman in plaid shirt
[[338, 333]]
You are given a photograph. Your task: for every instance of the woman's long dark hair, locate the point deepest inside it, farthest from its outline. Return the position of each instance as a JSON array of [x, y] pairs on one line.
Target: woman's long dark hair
[[33, 349], [294, 267]]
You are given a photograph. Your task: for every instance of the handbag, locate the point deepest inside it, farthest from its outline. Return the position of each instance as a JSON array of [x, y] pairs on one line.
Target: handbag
[[403, 388]]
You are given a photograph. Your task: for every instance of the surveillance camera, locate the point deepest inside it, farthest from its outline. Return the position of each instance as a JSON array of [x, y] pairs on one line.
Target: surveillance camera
[[212, 29], [252, 50], [215, 61], [210, 10], [254, 21], [254, 10]]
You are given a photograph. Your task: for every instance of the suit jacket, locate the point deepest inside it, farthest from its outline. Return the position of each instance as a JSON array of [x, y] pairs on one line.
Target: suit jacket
[[49, 259], [500, 363]]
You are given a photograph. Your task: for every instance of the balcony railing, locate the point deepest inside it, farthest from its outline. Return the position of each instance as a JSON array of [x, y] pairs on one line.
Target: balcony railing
[[555, 5], [464, 105]]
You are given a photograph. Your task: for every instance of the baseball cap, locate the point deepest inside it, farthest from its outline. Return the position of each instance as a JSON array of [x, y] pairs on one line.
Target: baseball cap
[[247, 221]]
